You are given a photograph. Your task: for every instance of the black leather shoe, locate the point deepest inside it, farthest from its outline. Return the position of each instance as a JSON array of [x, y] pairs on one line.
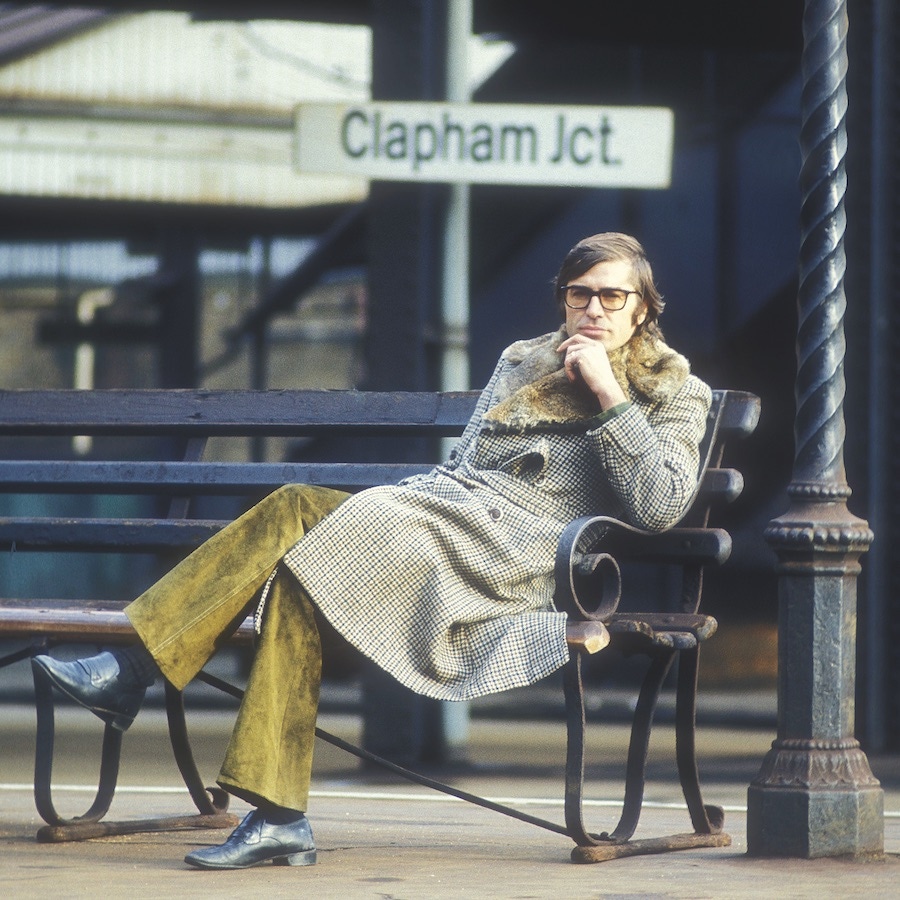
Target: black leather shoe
[[256, 841], [98, 685]]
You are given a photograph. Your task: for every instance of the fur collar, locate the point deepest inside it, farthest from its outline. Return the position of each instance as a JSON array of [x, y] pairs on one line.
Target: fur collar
[[535, 391]]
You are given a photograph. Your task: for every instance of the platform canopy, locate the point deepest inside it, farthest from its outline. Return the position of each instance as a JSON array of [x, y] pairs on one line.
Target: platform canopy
[[165, 108]]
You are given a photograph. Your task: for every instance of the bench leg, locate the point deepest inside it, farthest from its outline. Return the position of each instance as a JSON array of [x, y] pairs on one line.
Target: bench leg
[[19, 655], [89, 825], [637, 752], [208, 800], [573, 692], [705, 819], [43, 759], [639, 746], [601, 847]]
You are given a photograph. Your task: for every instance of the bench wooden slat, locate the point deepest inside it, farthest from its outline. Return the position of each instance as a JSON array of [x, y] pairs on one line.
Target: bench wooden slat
[[720, 485], [681, 631], [740, 414], [120, 535], [196, 478], [79, 620], [679, 545], [586, 637], [236, 478], [271, 412], [232, 412]]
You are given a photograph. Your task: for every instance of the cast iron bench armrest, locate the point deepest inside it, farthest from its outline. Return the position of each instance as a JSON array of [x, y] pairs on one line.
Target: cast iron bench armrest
[[588, 574], [588, 577]]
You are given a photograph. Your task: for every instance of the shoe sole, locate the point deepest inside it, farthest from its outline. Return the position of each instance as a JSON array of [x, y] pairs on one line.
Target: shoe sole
[[303, 858]]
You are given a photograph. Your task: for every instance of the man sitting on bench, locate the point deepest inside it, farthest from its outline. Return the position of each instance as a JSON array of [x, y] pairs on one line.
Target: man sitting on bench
[[445, 580]]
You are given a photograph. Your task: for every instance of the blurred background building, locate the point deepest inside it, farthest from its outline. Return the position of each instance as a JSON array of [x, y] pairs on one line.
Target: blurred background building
[[154, 232]]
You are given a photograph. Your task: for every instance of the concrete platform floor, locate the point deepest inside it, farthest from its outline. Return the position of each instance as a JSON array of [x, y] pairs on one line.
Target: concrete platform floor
[[380, 837]]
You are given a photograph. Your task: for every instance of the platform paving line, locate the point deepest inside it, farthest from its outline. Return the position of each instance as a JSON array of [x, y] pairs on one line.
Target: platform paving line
[[387, 796], [377, 796]]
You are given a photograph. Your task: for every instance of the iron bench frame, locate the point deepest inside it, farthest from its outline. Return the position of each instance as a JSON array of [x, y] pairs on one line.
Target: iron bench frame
[[587, 572]]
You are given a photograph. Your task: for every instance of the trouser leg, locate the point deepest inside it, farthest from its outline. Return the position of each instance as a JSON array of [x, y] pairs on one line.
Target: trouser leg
[[270, 753], [187, 615]]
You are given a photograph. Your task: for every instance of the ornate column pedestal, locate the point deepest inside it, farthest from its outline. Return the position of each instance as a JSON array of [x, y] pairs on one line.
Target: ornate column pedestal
[[815, 795]]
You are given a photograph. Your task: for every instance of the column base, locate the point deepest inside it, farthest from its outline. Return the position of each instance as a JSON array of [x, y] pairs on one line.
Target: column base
[[815, 801]]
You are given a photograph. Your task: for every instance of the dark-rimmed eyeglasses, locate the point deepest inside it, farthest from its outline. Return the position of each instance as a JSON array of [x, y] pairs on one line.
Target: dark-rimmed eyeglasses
[[579, 296]]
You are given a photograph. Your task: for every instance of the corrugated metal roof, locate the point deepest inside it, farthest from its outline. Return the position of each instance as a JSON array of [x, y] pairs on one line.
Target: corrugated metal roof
[[166, 59], [159, 107], [25, 28], [184, 162], [156, 107]]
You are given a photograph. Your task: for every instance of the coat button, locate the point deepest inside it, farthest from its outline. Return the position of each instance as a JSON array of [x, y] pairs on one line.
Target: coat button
[[494, 513]]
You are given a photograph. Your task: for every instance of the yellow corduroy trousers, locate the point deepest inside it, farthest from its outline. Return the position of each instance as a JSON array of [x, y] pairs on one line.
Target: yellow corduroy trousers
[[190, 612]]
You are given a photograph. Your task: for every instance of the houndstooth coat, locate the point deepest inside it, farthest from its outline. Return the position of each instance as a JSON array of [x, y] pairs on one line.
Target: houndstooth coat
[[446, 580]]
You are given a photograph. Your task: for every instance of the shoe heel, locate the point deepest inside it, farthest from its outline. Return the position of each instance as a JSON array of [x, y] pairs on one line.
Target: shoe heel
[[304, 858]]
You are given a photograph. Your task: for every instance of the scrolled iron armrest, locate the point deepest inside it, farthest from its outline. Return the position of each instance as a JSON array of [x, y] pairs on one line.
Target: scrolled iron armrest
[[588, 579]]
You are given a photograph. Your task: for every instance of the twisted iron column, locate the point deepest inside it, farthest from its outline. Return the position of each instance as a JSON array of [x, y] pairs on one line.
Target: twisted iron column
[[815, 795]]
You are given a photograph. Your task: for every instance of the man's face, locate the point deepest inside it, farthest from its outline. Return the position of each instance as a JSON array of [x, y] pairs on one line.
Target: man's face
[[612, 328]]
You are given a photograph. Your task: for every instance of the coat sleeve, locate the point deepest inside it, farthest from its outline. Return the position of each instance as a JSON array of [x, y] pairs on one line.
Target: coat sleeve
[[650, 455]]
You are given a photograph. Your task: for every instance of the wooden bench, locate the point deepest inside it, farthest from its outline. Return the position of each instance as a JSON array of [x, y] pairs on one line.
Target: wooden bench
[[588, 574]]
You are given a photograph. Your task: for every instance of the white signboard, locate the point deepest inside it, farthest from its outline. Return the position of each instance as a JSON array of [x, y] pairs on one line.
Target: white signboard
[[485, 143]]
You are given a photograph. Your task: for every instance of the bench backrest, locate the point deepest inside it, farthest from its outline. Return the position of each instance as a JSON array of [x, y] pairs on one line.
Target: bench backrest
[[196, 416]]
